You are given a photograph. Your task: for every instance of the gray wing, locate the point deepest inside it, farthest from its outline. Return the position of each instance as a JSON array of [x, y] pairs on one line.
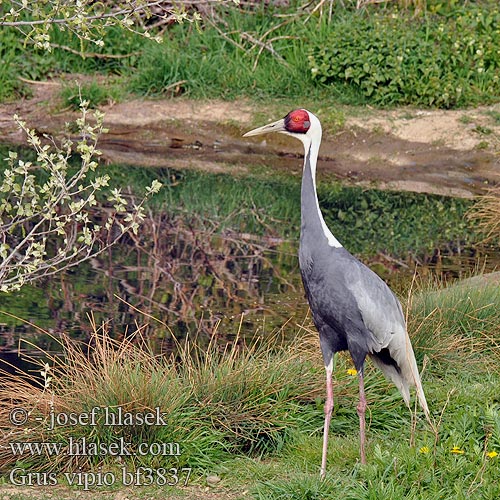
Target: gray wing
[[390, 348], [380, 309]]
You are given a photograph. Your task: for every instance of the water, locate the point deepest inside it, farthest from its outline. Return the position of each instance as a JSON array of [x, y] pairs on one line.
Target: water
[[188, 274], [188, 282]]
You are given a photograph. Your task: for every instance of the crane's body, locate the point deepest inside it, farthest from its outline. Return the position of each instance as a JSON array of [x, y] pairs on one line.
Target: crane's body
[[352, 307]]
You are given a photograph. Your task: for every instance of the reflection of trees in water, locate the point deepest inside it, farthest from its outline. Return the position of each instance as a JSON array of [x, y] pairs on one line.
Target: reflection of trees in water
[[186, 275], [181, 274]]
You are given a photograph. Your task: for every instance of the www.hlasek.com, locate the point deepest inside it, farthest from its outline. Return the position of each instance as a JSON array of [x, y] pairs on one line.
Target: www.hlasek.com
[[74, 447], [82, 447]]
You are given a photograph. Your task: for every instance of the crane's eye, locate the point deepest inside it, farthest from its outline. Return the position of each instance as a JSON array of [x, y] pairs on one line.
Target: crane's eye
[[297, 121]]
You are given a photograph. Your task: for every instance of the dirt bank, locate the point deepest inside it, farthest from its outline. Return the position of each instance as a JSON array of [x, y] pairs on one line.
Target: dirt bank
[[443, 152]]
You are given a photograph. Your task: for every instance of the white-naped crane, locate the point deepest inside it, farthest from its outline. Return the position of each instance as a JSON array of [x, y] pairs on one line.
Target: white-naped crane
[[352, 308]]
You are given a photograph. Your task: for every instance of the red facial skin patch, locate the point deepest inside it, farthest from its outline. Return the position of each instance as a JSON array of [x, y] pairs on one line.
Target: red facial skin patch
[[297, 121]]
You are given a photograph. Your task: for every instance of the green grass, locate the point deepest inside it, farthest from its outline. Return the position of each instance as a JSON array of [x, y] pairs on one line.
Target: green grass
[[209, 66], [366, 56], [252, 414], [369, 56], [95, 94], [66, 57], [10, 56]]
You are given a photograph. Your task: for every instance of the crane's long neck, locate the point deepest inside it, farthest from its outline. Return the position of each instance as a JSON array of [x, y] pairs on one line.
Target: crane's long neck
[[313, 224]]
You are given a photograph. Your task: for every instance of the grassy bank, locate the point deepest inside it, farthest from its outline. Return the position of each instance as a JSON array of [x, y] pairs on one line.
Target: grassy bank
[[252, 415], [380, 55]]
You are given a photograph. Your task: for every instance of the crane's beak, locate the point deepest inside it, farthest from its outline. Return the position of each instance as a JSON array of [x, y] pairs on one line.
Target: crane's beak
[[278, 126]]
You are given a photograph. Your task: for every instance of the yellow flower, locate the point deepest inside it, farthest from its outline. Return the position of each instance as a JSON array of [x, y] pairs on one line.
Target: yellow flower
[[352, 372], [457, 450], [492, 454], [424, 449]]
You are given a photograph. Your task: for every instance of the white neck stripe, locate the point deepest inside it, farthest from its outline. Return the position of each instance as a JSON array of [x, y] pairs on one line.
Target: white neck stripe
[[313, 156]]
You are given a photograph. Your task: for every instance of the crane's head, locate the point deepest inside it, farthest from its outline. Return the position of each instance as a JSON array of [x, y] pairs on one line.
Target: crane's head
[[300, 123]]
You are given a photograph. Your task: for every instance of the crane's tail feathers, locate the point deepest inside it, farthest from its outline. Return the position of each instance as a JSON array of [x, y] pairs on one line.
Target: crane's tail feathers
[[414, 379], [403, 375], [394, 375], [421, 397]]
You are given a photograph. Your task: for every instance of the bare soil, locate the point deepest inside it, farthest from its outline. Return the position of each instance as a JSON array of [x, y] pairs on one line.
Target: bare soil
[[434, 151], [137, 493]]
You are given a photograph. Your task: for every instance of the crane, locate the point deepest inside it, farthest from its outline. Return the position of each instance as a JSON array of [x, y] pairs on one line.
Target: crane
[[352, 307]]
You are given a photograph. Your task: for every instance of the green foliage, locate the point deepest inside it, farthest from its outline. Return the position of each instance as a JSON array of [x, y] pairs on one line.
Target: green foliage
[[396, 223], [93, 93], [446, 57], [390, 58]]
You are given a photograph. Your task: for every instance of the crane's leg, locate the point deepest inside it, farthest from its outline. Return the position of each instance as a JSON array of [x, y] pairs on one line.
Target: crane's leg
[[361, 412], [328, 416]]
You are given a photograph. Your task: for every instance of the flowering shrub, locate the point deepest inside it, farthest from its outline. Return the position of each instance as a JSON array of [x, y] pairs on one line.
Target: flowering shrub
[[46, 207]]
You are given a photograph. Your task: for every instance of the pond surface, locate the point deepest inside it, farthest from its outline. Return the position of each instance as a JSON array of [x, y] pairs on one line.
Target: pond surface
[[191, 282], [175, 280], [186, 274]]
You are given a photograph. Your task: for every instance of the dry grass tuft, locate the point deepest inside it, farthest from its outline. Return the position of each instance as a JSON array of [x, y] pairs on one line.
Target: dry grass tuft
[[216, 399], [486, 214]]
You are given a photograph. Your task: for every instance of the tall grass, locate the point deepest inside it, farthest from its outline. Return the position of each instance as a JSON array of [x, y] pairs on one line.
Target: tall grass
[[242, 399], [254, 412], [371, 55], [207, 65], [217, 400], [94, 93], [458, 326], [10, 53]]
